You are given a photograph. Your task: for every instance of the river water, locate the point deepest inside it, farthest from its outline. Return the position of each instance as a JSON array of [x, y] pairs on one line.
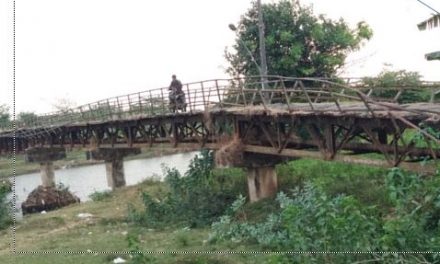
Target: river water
[[84, 180]]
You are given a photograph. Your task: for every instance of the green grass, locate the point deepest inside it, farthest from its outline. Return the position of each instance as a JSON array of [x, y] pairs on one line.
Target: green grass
[[106, 232], [62, 231], [100, 196], [366, 183]]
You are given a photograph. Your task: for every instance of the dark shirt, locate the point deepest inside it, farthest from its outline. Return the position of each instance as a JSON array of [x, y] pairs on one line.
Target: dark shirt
[[177, 85]]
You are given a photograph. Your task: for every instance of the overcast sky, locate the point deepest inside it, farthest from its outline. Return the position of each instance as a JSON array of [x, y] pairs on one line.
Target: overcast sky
[[86, 50]]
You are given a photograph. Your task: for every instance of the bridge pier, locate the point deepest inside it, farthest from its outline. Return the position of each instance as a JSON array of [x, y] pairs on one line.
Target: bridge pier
[[114, 163], [262, 179], [261, 175], [47, 173], [45, 156], [262, 182]]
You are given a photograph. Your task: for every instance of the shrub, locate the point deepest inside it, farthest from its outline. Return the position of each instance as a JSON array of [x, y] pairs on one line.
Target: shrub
[[194, 200], [136, 254], [100, 196], [366, 184], [5, 207], [414, 222], [5, 185], [310, 220]]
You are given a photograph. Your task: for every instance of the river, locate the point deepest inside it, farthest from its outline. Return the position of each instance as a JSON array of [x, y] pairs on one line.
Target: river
[[84, 180]]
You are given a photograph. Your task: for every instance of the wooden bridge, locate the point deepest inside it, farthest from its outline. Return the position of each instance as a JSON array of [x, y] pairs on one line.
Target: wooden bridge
[[294, 117]]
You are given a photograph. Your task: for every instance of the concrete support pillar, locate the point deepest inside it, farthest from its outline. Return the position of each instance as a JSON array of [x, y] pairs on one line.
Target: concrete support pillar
[[262, 182], [114, 163], [261, 174], [47, 174], [115, 173], [45, 156]]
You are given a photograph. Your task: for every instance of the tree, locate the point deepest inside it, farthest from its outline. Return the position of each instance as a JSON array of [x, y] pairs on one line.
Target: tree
[[26, 118], [5, 117], [388, 78], [63, 105], [298, 43], [388, 84]]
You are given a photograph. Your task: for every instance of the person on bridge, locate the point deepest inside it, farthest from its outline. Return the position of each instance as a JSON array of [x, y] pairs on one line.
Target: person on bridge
[[176, 96], [176, 85]]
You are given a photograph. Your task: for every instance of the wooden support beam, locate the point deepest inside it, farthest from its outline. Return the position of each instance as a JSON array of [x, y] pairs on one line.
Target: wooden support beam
[[416, 167]]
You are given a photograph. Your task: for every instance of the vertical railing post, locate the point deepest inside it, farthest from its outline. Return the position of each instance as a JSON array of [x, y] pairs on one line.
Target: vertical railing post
[[140, 103], [109, 109], [81, 112], [92, 114], [203, 95], [129, 104], [307, 95], [244, 96], [237, 98], [151, 103], [99, 111], [218, 94], [263, 99], [72, 115], [209, 95], [189, 98], [254, 94], [163, 101], [119, 107], [286, 95]]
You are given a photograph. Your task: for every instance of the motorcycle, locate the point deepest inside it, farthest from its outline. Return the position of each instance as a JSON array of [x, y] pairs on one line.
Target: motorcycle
[[177, 102]]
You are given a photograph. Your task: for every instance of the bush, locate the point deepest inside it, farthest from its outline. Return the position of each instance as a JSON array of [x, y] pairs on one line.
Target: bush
[[310, 220], [6, 185], [414, 222], [195, 200], [5, 207], [100, 196], [365, 183], [136, 254]]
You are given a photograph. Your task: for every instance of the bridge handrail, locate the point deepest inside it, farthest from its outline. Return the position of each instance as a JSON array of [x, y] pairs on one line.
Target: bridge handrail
[[240, 91]]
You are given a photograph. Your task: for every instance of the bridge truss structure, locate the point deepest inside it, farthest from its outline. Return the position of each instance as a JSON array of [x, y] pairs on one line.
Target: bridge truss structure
[[331, 119]]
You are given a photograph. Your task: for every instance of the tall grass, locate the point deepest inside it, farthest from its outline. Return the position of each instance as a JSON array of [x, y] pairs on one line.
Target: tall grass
[[5, 206]]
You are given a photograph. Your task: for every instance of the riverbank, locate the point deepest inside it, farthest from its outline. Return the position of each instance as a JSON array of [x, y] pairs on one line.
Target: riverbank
[[75, 158], [103, 235]]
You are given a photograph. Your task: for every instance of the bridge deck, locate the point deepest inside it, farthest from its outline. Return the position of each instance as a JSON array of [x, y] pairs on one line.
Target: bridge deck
[[416, 111], [344, 109]]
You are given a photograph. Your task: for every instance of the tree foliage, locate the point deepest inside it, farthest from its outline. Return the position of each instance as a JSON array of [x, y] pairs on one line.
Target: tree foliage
[[298, 43], [63, 105], [389, 78], [387, 84], [26, 118], [5, 117]]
